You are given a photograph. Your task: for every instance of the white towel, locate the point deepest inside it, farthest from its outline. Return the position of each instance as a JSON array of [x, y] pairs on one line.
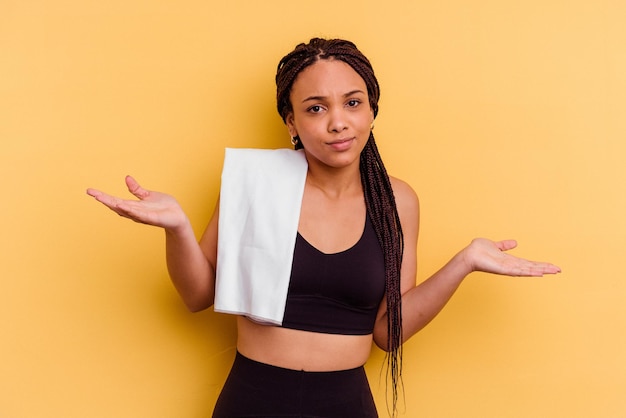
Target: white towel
[[260, 200]]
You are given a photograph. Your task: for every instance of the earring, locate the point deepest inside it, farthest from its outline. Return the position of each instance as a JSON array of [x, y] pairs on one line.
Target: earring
[[372, 126], [295, 140]]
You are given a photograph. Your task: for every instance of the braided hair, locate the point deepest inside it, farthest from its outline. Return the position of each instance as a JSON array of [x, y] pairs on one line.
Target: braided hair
[[379, 197]]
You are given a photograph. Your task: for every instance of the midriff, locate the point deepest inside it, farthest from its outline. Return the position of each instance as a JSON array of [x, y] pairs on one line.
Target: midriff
[[301, 350]]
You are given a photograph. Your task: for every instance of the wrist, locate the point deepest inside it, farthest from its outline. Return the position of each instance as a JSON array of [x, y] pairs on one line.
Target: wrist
[[180, 229], [464, 259]]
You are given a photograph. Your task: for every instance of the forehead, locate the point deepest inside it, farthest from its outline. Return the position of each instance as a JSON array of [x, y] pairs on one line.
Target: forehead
[[326, 77]]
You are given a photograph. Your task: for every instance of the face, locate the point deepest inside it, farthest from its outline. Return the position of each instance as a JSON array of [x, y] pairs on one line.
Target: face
[[331, 113]]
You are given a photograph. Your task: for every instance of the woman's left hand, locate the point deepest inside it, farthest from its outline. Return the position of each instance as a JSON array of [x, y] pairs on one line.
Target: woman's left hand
[[491, 257]]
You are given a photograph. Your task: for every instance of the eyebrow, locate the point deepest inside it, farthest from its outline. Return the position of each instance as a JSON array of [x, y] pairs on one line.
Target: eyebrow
[[317, 98]]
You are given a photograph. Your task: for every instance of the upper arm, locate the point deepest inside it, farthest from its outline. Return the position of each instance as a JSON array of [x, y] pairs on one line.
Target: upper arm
[[407, 203], [208, 241]]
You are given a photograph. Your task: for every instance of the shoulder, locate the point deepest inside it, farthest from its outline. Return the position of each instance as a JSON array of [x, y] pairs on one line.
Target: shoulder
[[406, 198], [408, 206]]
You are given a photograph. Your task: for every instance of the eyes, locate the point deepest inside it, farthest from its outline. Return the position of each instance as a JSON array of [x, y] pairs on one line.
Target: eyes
[[351, 104]]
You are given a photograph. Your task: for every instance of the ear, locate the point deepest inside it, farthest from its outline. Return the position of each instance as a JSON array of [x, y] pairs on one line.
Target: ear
[[289, 120]]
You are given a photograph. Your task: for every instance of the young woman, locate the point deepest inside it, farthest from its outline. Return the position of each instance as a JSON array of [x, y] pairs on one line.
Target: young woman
[[352, 263]]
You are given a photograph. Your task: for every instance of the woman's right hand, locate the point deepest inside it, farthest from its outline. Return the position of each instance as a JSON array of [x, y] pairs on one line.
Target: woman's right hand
[[152, 208]]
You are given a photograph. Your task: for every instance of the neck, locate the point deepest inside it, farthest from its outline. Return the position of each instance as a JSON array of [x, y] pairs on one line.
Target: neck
[[335, 182]]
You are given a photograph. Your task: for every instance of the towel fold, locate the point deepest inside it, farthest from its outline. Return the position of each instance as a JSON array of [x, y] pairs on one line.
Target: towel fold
[[260, 201]]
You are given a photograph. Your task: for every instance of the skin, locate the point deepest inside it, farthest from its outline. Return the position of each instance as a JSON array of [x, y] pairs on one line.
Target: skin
[[332, 117]]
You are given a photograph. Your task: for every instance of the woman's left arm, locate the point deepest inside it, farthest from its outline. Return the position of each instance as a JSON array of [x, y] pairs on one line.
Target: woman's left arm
[[421, 303]]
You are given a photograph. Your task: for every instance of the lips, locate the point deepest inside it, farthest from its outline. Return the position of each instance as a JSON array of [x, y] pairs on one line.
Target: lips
[[341, 144], [338, 141]]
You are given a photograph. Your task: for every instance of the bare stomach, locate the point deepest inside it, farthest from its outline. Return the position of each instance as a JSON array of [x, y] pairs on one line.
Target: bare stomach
[[301, 350]]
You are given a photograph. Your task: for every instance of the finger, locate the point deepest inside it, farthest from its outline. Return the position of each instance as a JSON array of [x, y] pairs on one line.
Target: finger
[[536, 269], [107, 200], [542, 267], [101, 197], [93, 192], [125, 208], [136, 189], [548, 268]]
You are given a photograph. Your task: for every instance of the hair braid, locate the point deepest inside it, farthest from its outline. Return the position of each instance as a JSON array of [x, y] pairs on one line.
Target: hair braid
[[377, 189], [381, 203]]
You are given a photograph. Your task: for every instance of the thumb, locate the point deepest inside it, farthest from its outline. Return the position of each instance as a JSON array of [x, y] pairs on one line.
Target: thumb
[[135, 188], [506, 245]]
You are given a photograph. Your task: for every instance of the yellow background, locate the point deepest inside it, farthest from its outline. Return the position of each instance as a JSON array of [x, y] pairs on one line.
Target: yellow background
[[506, 117]]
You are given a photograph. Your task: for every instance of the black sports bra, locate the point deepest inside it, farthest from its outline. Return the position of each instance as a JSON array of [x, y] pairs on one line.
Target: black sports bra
[[336, 293]]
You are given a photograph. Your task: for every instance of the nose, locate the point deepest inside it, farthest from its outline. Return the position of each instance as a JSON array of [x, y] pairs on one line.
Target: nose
[[337, 120]]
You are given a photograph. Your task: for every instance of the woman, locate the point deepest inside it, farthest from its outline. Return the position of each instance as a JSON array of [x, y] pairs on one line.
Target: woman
[[353, 272]]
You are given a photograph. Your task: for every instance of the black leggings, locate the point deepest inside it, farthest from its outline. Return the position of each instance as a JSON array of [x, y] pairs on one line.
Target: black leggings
[[260, 390]]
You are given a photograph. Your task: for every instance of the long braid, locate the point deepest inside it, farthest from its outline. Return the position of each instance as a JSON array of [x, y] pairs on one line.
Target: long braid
[[381, 203], [377, 189]]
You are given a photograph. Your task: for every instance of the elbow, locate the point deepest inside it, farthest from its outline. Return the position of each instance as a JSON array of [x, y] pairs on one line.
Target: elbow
[[380, 339], [380, 335], [384, 347], [196, 308], [197, 305]]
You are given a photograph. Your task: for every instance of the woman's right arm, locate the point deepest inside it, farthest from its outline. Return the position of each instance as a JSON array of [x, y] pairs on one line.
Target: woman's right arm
[[191, 264]]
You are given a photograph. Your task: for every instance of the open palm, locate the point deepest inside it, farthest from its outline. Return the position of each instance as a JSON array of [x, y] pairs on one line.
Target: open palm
[[152, 208], [491, 257]]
